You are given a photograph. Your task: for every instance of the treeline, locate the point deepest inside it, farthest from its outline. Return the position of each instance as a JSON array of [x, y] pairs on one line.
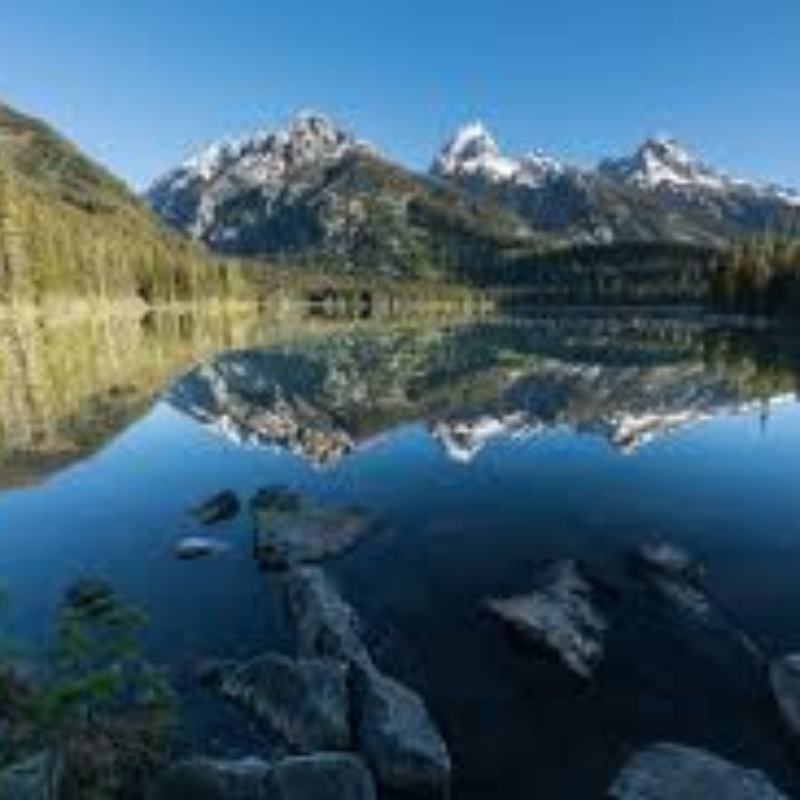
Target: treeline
[[51, 248], [760, 277]]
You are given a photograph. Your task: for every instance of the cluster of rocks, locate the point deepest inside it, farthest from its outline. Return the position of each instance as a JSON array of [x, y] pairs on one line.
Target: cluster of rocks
[[563, 616], [288, 528], [346, 727]]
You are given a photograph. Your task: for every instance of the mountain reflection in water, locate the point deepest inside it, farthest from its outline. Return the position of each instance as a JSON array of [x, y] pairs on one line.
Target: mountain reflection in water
[[628, 381]]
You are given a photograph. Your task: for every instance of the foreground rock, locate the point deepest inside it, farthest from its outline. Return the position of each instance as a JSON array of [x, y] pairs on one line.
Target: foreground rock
[[560, 616], [36, 778], [324, 776], [785, 680], [397, 735], [207, 779], [675, 772], [195, 547], [305, 701], [291, 531], [219, 508], [325, 625]]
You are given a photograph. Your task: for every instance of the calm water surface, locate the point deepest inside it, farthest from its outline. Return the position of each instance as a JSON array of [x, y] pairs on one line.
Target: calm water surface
[[489, 449]]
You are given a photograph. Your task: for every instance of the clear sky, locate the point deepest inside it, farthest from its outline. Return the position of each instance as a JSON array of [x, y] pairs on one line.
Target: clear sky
[[140, 84]]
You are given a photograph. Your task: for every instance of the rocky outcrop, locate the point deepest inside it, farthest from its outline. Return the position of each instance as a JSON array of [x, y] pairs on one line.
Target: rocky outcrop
[[304, 532], [325, 625], [675, 772], [785, 682], [305, 701], [397, 735], [560, 616]]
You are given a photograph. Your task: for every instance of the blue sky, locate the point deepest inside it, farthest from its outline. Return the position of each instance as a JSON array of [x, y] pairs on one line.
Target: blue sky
[[139, 84]]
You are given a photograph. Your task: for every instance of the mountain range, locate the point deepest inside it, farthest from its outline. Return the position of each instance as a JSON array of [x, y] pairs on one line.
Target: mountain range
[[314, 187]]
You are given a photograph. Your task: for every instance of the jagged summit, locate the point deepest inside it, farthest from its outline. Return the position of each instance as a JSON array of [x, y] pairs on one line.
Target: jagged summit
[[473, 152]]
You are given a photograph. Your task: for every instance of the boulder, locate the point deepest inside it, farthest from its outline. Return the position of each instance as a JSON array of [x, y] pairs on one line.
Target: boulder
[[208, 779], [35, 778], [325, 625], [304, 701], [219, 508], [322, 776], [397, 736], [676, 772], [560, 616], [785, 680], [290, 531], [194, 547]]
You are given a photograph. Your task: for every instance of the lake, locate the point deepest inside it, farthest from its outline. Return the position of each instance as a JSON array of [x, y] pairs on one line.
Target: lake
[[488, 448]]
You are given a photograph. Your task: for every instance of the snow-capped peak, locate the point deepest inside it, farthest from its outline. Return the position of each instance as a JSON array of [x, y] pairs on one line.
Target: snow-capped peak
[[662, 161], [266, 161], [473, 152]]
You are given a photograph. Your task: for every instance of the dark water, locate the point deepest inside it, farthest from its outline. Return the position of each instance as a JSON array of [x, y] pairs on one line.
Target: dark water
[[489, 449]]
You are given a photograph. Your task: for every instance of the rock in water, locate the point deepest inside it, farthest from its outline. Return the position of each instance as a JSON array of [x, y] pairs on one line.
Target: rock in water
[[207, 779], [194, 547], [290, 532], [36, 778], [219, 508], [325, 625], [397, 735], [560, 616], [785, 680], [323, 776], [305, 701], [675, 575], [675, 772]]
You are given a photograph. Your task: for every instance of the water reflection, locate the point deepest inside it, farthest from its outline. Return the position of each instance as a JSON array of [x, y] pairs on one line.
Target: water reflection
[[627, 380]]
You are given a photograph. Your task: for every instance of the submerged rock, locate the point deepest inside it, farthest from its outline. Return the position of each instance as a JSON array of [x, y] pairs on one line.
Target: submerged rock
[[289, 531], [397, 735], [675, 772], [325, 625], [194, 547], [91, 597], [209, 779], [322, 776], [219, 508], [785, 680], [675, 575], [35, 778], [560, 616], [305, 701]]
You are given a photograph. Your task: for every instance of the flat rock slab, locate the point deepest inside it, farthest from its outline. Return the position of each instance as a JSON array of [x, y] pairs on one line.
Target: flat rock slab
[[304, 701], [675, 772], [325, 625], [560, 616], [209, 779], [322, 776], [785, 680], [195, 547], [291, 531], [398, 737]]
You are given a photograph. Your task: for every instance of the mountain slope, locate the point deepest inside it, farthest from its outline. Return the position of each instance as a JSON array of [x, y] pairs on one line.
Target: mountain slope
[[70, 230], [661, 193], [313, 191]]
